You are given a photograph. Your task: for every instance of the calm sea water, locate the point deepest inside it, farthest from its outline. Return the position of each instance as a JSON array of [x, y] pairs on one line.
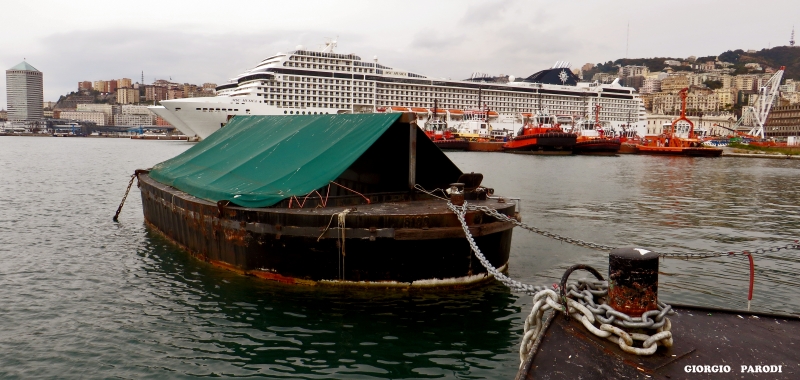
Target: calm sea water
[[83, 297]]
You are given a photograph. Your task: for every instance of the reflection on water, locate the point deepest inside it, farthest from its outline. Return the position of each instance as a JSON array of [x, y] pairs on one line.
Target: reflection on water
[[85, 297], [247, 325]]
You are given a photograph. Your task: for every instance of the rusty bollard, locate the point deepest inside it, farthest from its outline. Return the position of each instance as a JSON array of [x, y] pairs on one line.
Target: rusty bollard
[[457, 193], [633, 280]]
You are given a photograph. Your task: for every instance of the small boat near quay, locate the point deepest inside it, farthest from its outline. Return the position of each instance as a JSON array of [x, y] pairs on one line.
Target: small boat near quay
[[326, 200]]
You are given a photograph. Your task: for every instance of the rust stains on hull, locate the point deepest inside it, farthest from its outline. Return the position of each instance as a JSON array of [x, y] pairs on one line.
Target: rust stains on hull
[[417, 243]]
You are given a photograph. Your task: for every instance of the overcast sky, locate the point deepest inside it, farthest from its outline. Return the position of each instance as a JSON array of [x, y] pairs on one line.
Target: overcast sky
[[211, 41]]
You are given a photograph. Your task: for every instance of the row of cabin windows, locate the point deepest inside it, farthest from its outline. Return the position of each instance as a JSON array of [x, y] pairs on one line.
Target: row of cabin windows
[[216, 109]]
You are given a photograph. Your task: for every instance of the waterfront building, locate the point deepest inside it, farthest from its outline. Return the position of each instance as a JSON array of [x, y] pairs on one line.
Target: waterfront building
[[133, 119], [107, 109], [98, 118], [24, 93], [783, 122], [134, 110]]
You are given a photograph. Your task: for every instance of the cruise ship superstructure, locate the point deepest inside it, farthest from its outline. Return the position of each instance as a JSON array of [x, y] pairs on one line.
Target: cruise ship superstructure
[[320, 82]]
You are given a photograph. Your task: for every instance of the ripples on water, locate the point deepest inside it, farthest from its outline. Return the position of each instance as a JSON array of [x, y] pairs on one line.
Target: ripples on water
[[85, 297]]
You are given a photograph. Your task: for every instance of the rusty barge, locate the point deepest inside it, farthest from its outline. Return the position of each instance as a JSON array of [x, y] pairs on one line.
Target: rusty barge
[[326, 199]]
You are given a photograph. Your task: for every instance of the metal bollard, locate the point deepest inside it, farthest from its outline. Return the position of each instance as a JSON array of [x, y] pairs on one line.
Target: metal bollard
[[457, 193], [633, 280]]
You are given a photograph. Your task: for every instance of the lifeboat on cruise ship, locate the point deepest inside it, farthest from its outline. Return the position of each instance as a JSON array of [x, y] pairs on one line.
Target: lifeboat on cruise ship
[[541, 134], [595, 137], [678, 139]]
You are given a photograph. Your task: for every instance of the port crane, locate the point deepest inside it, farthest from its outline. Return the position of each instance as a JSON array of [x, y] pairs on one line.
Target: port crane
[[755, 116]]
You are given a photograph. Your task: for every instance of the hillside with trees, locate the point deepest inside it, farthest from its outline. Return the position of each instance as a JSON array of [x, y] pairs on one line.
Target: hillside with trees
[[775, 57]]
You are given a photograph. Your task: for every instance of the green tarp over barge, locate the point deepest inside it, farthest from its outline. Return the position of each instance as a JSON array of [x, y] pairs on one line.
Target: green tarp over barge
[[258, 161]]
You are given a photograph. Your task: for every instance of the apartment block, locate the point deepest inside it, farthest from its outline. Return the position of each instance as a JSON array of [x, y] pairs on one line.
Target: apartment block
[[674, 83], [127, 96], [630, 70], [124, 83], [84, 86], [155, 93], [100, 85]]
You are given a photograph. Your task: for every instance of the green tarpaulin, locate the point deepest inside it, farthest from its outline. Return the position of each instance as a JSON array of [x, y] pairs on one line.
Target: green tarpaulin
[[257, 161]]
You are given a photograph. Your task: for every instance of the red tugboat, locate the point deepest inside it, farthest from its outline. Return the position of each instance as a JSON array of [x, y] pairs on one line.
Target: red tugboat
[[542, 135], [440, 133], [593, 138], [674, 143]]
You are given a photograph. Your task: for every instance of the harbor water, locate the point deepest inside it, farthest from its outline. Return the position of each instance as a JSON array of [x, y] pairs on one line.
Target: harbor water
[[84, 297]]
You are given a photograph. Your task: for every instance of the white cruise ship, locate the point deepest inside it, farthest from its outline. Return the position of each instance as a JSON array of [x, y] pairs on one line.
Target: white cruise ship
[[303, 82]]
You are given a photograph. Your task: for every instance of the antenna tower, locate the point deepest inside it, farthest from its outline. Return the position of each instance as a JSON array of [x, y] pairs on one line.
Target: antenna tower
[[142, 82], [628, 40], [791, 40]]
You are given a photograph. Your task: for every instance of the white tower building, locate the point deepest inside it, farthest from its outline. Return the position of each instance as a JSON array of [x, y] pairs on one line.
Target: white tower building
[[24, 93]]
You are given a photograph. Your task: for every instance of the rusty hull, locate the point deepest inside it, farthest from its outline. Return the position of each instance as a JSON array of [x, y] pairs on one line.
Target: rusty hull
[[393, 242]]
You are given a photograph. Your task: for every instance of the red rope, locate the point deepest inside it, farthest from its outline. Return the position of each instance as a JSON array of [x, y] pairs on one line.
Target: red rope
[[752, 275], [347, 188]]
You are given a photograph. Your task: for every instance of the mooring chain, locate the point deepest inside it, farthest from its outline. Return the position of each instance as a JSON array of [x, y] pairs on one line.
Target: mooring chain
[[583, 308], [600, 247], [124, 197], [511, 284], [581, 305]]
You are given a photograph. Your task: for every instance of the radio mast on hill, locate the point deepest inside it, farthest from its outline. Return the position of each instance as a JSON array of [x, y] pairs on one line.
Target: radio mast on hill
[[791, 39]]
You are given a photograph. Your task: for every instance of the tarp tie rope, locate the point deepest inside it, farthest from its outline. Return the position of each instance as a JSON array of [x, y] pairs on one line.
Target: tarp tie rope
[[349, 189]]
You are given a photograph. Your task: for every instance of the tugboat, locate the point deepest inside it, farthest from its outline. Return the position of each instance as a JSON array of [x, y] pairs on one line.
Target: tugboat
[[440, 133], [595, 138], [541, 134], [678, 140], [327, 200]]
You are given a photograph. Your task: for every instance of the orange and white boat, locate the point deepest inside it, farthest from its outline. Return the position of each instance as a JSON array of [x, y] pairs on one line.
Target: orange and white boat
[[678, 139], [595, 137], [542, 134]]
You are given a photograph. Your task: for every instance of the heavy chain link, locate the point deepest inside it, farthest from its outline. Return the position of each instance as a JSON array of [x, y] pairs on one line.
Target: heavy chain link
[[582, 306], [514, 285], [601, 247]]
